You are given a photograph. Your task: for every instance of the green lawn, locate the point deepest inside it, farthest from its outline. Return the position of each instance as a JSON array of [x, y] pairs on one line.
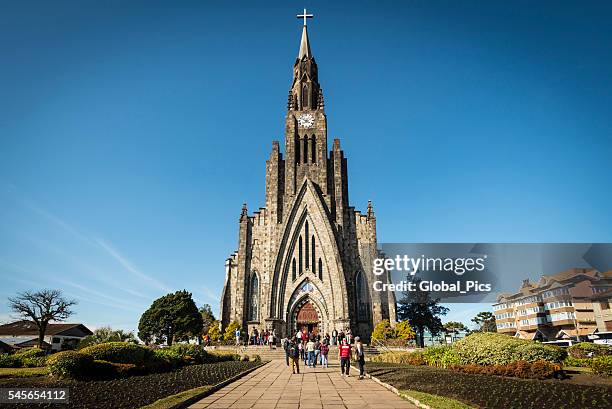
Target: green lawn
[[171, 401], [23, 372], [434, 401]]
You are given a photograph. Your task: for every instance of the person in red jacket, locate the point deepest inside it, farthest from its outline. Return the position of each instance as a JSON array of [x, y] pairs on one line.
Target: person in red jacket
[[344, 354]]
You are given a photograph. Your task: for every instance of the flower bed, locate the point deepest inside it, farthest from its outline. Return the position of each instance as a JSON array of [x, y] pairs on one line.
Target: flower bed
[[137, 391], [489, 391]]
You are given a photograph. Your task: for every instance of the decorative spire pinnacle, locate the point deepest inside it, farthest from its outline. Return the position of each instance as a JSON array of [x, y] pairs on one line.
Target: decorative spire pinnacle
[[304, 45], [244, 214], [370, 210]]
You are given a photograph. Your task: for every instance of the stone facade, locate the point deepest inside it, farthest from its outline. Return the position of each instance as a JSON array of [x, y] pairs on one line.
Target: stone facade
[[307, 253]]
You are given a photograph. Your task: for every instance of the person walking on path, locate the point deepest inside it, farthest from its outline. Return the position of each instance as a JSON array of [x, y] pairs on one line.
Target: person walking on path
[[360, 356], [334, 336], [324, 352], [310, 349], [317, 353], [237, 335], [294, 353], [344, 354], [286, 341]]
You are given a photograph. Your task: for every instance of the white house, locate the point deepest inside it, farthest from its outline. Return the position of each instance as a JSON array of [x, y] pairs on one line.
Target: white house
[[22, 334]]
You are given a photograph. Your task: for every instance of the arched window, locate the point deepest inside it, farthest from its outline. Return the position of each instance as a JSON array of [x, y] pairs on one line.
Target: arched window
[[293, 272], [298, 155], [254, 301], [307, 248], [361, 291], [320, 270], [305, 103], [313, 148], [314, 260], [305, 149], [300, 258]]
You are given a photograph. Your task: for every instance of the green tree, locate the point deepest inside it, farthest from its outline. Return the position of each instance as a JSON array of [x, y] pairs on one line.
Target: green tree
[[228, 335], [485, 321], [107, 334], [41, 307], [422, 311], [173, 317], [207, 318], [454, 326]]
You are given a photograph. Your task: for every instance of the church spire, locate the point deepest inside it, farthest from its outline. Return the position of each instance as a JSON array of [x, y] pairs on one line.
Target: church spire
[[305, 93], [304, 45]]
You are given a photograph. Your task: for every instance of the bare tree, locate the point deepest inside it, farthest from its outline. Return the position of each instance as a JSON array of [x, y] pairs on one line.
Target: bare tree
[[41, 307]]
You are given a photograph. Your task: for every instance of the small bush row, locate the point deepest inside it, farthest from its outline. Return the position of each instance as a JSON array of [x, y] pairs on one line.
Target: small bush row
[[519, 369], [585, 350], [120, 359], [602, 365], [24, 358], [499, 349], [408, 358]]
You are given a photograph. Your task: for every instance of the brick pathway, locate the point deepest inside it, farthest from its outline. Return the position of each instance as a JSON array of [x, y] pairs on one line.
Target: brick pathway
[[273, 386]]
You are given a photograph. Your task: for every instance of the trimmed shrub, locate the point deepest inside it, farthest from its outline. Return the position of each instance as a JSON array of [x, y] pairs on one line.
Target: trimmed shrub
[[33, 352], [588, 350], [165, 359], [409, 358], [602, 365], [34, 362], [120, 353], [105, 369], [570, 361], [441, 356], [532, 352], [190, 353], [487, 348], [71, 364], [518, 369], [10, 361]]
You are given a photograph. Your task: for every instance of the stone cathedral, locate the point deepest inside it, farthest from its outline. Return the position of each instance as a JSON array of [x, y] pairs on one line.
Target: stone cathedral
[[305, 259]]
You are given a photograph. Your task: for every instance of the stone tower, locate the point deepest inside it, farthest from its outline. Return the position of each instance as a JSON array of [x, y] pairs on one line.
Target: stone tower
[[305, 259]]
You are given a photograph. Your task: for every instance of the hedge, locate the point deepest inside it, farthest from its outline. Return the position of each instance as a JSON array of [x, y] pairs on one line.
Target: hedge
[[33, 352], [602, 365], [409, 358], [10, 361], [488, 348], [588, 350], [441, 356], [71, 364], [519, 369], [120, 352]]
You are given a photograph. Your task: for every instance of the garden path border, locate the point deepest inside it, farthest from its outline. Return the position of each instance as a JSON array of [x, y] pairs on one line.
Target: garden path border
[[215, 388], [393, 389]]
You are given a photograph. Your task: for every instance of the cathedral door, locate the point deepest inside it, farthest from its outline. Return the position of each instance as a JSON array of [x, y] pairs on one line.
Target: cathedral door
[[308, 318]]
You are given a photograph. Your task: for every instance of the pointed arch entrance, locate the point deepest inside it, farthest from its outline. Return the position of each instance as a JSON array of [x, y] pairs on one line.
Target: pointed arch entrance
[[307, 318], [307, 309]]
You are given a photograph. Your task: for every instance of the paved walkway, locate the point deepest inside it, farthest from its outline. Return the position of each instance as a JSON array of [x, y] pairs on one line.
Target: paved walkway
[[273, 386]]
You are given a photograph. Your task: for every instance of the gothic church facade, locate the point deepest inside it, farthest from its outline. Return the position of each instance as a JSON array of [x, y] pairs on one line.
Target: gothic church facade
[[305, 259]]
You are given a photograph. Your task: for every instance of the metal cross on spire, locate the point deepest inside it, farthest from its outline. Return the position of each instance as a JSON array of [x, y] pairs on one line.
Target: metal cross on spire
[[305, 16]]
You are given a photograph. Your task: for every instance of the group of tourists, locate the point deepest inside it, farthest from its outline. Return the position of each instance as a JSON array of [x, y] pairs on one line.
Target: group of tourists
[[265, 337], [313, 350]]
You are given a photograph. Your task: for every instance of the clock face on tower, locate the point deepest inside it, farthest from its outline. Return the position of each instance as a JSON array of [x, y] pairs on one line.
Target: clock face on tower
[[306, 120]]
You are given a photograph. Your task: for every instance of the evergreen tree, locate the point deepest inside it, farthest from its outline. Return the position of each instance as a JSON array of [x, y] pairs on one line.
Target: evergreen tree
[[173, 317], [422, 311], [486, 321]]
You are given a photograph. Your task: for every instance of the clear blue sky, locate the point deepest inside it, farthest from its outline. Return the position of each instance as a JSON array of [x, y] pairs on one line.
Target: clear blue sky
[[131, 133]]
